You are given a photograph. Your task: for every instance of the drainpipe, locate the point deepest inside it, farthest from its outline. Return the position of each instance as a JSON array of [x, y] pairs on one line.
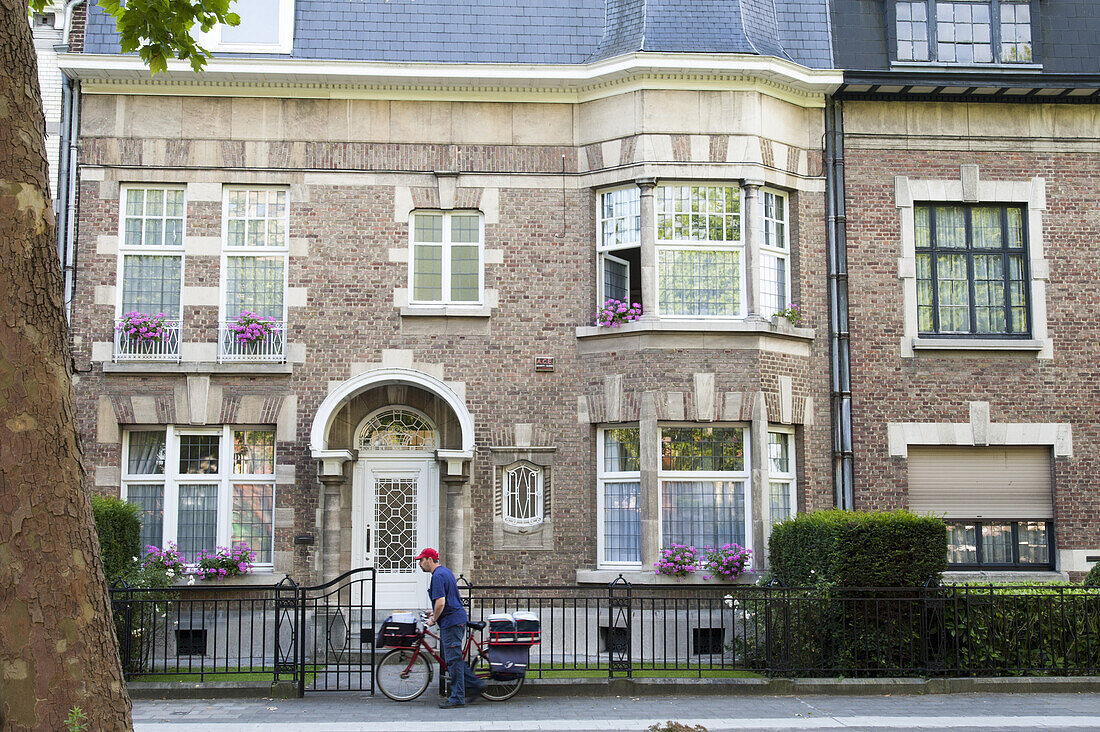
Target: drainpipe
[[837, 246], [66, 177]]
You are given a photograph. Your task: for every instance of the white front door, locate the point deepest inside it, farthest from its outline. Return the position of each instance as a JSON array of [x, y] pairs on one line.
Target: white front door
[[396, 504]]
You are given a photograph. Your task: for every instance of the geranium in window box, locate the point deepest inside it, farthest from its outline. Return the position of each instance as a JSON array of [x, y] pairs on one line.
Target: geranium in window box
[[677, 560], [726, 562], [252, 328], [225, 562], [616, 312], [143, 327]]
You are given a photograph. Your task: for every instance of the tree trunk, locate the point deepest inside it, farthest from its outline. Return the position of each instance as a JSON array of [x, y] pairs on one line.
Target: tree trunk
[[57, 641]]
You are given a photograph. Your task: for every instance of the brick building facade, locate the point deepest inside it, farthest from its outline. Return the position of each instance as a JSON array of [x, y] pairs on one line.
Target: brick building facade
[[433, 241]]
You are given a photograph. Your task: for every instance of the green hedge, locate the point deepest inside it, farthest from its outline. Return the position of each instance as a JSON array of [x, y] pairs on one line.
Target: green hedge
[[118, 525], [1092, 579], [855, 549]]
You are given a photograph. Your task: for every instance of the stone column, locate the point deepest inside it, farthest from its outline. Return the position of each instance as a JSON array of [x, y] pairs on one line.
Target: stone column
[[648, 242], [334, 496], [761, 504], [454, 541], [754, 238], [649, 457]]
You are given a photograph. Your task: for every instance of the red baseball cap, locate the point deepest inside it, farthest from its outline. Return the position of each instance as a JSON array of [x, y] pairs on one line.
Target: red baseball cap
[[430, 553]]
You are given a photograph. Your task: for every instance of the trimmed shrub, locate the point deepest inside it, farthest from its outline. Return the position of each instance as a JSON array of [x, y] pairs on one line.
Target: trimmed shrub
[[1092, 579], [118, 525], [856, 549]]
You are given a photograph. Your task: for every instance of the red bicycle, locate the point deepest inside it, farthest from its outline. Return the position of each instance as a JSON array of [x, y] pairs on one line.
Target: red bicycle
[[403, 674]]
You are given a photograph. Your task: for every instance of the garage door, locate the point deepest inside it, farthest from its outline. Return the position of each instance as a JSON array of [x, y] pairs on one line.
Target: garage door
[[981, 482]]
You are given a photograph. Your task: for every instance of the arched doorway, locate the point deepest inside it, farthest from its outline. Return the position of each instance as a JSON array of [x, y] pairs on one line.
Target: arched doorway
[[395, 500]]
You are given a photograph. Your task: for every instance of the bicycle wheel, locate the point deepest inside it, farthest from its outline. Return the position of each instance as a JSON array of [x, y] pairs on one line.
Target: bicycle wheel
[[495, 690], [398, 679]]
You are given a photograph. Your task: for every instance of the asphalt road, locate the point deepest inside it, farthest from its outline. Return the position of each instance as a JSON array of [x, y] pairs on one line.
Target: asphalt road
[[349, 712]]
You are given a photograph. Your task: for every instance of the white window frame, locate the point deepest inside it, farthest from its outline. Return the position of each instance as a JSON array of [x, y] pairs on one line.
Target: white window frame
[[708, 246], [446, 244], [782, 251], [172, 479], [211, 40], [155, 250], [602, 478], [744, 475], [538, 498], [604, 251], [244, 251], [790, 475]]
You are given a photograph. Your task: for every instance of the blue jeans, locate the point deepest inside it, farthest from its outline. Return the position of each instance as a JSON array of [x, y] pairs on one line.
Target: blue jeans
[[451, 639]]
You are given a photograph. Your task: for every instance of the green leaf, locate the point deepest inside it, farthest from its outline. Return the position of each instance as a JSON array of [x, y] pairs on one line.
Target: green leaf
[[159, 30]]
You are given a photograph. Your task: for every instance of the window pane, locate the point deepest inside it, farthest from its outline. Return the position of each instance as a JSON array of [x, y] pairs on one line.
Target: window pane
[[702, 449], [1015, 31], [620, 450], [464, 273], [912, 31], [1032, 539], [996, 543], [198, 520], [151, 284], [465, 229], [620, 218], [773, 284], [779, 452], [146, 453], [780, 499], [925, 322], [616, 279], [1015, 239], [698, 513], [259, 23], [699, 282], [427, 273], [149, 498], [622, 522], [985, 223], [523, 496], [253, 452], [256, 218], [950, 227], [199, 453], [428, 228], [699, 213], [954, 293], [153, 217], [962, 543], [253, 511], [255, 284], [989, 294], [1017, 295]]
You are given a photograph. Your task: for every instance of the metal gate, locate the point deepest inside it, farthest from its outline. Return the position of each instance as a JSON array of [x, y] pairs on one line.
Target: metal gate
[[324, 635]]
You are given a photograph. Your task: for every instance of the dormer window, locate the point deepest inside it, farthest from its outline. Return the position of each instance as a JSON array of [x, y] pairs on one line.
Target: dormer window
[[964, 31], [267, 26]]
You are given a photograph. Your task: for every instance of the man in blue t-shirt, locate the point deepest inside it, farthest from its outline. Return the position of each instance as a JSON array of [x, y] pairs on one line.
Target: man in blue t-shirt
[[449, 614]]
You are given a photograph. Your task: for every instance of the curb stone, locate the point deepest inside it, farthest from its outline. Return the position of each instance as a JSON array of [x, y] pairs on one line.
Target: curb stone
[[675, 687]]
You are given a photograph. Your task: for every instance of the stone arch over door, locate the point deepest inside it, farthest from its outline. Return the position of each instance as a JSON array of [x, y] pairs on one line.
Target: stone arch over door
[[335, 444]]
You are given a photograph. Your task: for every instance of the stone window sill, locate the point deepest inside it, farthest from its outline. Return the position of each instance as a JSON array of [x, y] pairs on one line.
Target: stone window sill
[[698, 333], [976, 344], [155, 368], [264, 577], [445, 311], [649, 577], [963, 67], [993, 576]]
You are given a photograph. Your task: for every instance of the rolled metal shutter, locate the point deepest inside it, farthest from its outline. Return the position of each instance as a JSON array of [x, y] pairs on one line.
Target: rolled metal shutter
[[981, 482]]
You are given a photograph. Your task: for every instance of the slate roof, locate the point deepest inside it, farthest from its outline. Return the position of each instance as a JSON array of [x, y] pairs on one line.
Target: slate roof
[[539, 31]]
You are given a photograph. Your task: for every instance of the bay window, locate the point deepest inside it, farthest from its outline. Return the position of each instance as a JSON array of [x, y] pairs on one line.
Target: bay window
[[619, 506], [619, 246], [699, 251], [202, 488], [703, 476]]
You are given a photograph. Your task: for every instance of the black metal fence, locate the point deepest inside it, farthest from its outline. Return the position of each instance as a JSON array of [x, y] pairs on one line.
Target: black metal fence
[[700, 631], [322, 638]]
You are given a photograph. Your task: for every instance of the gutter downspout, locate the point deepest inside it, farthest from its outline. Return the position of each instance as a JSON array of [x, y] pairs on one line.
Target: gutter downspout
[[66, 176], [836, 233]]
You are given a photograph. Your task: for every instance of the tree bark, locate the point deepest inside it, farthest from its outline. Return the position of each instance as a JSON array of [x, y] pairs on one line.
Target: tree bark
[[57, 643]]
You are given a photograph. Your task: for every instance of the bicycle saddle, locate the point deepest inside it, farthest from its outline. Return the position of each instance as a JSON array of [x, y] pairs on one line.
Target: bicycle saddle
[[480, 625]]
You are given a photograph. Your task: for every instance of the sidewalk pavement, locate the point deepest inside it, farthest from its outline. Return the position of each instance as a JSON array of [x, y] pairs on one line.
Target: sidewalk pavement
[[353, 712]]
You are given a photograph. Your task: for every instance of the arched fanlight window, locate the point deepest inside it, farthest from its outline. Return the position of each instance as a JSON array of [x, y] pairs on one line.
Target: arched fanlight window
[[523, 495], [398, 429]]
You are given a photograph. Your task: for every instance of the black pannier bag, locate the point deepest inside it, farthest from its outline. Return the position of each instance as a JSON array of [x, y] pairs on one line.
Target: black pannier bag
[[508, 663], [398, 631]]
